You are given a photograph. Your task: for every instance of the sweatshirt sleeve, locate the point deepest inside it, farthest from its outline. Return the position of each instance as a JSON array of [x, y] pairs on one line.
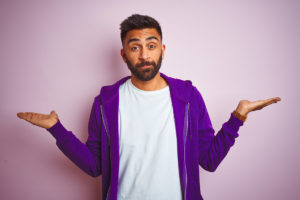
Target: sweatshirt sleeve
[[86, 156], [213, 148]]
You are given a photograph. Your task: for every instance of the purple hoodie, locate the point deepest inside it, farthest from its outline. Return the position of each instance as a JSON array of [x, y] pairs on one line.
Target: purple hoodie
[[196, 142]]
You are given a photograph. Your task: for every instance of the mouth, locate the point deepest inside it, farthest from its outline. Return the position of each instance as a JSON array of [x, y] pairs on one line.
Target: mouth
[[145, 66]]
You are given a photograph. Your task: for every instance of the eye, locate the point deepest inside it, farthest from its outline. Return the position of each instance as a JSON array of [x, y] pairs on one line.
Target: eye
[[152, 46], [134, 48]]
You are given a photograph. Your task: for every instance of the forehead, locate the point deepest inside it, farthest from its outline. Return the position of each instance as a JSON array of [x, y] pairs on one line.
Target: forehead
[[142, 34]]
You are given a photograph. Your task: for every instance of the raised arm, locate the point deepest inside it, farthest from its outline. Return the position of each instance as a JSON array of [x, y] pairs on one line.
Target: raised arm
[[86, 156], [213, 148]]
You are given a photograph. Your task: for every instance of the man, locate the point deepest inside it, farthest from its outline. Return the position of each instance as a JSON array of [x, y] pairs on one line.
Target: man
[[148, 133]]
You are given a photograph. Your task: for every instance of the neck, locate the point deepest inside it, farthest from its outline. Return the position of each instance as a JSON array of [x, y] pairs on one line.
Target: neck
[[156, 83]]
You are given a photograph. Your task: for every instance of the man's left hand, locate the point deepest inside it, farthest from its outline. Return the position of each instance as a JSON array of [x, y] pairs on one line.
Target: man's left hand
[[246, 106]]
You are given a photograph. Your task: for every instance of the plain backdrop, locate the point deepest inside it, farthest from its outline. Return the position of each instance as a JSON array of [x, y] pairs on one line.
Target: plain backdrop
[[56, 55]]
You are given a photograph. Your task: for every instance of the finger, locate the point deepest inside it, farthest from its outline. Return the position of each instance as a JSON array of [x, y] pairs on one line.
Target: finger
[[274, 99], [39, 116], [277, 98], [30, 116], [259, 104], [23, 115], [20, 115], [268, 103], [256, 105]]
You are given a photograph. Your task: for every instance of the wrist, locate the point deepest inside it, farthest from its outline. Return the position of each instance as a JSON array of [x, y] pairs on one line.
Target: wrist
[[52, 123], [240, 115]]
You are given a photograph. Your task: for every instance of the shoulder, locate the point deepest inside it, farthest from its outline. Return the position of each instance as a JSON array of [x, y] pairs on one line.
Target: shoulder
[[180, 87], [187, 88], [108, 92]]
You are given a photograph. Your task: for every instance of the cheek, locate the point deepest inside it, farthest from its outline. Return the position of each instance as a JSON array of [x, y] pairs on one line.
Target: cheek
[[134, 57], [131, 59], [130, 55], [157, 55]]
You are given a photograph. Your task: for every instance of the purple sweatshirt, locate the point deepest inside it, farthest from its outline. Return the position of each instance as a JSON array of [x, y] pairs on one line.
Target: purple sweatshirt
[[196, 142]]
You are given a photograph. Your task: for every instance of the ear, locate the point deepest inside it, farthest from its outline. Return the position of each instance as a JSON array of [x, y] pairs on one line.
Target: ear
[[123, 55], [163, 50]]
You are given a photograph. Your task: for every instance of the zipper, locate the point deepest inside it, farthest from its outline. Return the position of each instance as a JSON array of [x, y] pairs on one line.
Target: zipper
[[186, 132], [106, 130]]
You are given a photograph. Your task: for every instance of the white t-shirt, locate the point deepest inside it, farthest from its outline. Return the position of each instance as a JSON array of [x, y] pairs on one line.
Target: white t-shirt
[[148, 166]]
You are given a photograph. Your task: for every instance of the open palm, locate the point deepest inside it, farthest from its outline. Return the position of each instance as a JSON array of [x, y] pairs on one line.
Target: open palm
[[38, 119], [246, 106]]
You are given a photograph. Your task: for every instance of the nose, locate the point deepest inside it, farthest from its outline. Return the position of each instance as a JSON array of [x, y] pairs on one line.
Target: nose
[[144, 54]]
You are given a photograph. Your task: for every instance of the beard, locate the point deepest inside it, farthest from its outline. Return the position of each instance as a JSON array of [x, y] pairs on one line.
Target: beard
[[144, 74]]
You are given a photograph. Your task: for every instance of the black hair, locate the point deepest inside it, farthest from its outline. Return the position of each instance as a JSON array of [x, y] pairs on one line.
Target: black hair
[[137, 21]]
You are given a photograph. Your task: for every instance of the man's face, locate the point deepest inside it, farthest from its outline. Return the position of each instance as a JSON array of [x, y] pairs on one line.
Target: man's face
[[143, 52]]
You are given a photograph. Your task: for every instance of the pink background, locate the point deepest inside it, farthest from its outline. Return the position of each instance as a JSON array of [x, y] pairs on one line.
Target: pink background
[[57, 55]]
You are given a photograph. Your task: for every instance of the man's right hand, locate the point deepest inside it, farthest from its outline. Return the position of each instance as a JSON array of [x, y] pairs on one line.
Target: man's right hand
[[41, 120]]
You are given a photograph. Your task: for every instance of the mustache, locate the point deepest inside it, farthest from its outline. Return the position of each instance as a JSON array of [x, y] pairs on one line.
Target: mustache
[[145, 63]]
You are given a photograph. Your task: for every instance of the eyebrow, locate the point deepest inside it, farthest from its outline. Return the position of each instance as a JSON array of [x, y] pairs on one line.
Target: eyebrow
[[136, 39]]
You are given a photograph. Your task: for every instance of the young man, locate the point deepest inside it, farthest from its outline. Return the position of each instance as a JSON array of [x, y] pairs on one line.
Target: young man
[[148, 133]]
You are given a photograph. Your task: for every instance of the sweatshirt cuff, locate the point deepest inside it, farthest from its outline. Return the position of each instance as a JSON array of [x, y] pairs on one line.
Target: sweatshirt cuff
[[57, 130], [235, 122]]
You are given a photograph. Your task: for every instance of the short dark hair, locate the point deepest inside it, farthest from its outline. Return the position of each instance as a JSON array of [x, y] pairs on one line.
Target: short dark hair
[[137, 21]]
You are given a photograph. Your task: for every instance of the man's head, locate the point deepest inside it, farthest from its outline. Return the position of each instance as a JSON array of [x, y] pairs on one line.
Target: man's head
[[143, 50]]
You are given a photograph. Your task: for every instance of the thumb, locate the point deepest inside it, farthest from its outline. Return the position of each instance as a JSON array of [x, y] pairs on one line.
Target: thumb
[[54, 114]]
